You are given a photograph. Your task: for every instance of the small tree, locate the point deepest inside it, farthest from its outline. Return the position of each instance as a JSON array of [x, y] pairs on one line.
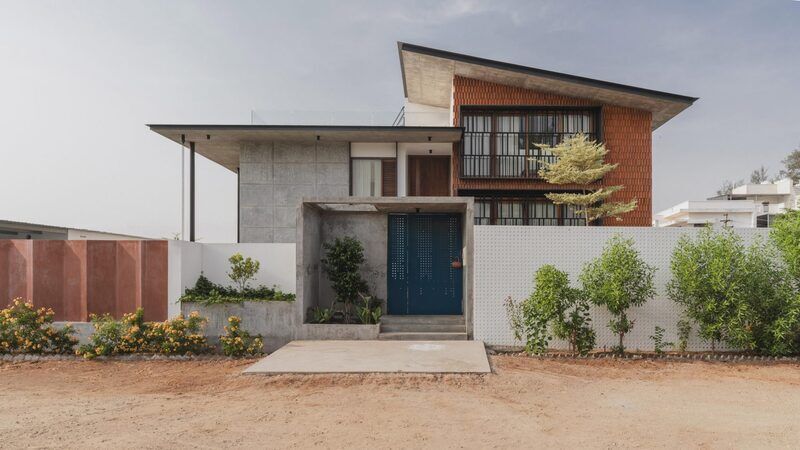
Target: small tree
[[242, 270], [728, 186], [792, 166], [708, 280], [580, 160], [342, 262], [618, 279], [759, 175], [554, 309]]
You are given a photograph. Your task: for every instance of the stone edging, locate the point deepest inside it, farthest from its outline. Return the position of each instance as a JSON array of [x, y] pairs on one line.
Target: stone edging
[[132, 357], [722, 357]]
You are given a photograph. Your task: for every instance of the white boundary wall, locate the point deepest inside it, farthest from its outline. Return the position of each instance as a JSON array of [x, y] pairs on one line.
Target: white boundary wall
[[186, 260], [506, 257]]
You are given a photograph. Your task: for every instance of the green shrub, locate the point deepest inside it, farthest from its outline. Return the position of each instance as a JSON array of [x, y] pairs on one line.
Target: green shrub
[[743, 296], [343, 259], [24, 329], [618, 280], [237, 342], [658, 341], [786, 236], [205, 292], [319, 315], [369, 310], [131, 334], [554, 309]]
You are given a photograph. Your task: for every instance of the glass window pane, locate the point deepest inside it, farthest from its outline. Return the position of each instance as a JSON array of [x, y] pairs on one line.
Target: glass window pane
[[367, 178]]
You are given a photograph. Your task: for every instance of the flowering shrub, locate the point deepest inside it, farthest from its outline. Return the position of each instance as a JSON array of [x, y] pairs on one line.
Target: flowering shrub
[[179, 336], [24, 329], [238, 342], [132, 334]]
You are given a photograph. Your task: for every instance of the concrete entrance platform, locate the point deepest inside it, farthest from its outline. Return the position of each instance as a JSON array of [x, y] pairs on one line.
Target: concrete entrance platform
[[375, 356]]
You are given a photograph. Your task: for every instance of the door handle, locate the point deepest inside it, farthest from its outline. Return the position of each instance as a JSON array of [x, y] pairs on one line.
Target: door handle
[[456, 264]]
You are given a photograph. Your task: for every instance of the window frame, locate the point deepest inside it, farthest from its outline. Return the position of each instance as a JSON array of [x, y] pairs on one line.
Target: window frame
[[380, 180]]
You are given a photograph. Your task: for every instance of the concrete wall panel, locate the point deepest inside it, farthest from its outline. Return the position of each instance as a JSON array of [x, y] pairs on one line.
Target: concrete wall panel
[[275, 177]]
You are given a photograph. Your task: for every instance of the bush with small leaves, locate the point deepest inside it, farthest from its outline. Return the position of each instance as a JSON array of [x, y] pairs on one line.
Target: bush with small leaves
[[238, 342], [553, 310], [178, 336], [25, 329]]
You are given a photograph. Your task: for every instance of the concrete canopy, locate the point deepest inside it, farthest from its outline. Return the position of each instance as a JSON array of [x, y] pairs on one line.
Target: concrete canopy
[[221, 143], [428, 74]]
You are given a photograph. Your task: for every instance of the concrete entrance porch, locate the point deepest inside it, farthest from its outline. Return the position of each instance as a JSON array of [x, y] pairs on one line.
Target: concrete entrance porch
[[375, 357]]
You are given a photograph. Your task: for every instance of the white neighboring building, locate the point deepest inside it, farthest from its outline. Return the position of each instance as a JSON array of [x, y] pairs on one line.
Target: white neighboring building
[[10, 229], [748, 206]]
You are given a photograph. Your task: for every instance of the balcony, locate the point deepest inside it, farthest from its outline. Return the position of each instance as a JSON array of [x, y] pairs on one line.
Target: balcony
[[507, 155]]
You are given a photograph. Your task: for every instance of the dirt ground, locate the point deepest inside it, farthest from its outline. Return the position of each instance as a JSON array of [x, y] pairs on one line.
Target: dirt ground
[[525, 403]]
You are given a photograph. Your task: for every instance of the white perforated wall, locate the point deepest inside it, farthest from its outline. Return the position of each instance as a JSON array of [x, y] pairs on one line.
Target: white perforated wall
[[506, 258]]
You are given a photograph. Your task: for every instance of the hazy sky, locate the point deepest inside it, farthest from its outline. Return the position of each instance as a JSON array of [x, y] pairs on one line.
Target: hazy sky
[[79, 79]]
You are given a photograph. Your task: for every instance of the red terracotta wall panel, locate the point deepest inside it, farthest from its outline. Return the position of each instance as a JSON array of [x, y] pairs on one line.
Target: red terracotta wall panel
[[48, 275], [74, 293], [15, 270], [154, 280], [101, 277], [128, 277]]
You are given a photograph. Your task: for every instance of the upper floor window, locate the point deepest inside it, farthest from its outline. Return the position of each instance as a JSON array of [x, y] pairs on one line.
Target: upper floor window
[[508, 143], [373, 177]]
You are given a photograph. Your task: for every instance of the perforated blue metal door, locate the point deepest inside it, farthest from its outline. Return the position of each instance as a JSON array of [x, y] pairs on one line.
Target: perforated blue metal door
[[422, 279]]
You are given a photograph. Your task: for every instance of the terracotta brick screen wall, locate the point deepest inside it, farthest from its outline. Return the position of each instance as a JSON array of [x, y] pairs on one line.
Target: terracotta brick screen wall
[[626, 133], [79, 278]]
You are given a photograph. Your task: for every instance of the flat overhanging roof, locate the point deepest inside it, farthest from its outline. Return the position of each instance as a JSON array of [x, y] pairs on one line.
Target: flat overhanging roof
[[428, 74], [221, 143]]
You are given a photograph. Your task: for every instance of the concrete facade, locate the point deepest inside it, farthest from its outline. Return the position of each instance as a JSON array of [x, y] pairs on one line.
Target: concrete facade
[[275, 176]]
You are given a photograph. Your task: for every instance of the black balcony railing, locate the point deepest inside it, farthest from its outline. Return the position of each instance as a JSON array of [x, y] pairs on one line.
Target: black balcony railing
[[507, 154]]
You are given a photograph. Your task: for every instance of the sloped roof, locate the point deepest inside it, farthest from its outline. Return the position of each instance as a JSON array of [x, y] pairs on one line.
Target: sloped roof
[[428, 74]]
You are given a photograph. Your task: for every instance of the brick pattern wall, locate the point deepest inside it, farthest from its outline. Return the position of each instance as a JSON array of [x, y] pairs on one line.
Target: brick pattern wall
[[626, 133]]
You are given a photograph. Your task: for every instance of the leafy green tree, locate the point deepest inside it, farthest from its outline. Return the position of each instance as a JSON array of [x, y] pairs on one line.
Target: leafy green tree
[[581, 161], [342, 263], [792, 166], [618, 280], [554, 309], [242, 270]]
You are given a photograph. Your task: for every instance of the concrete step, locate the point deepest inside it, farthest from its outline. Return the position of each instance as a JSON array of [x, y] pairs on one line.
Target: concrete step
[[423, 320], [422, 327], [422, 336]]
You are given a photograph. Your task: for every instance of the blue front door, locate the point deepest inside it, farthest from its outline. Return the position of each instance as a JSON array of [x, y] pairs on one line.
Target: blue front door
[[421, 276]]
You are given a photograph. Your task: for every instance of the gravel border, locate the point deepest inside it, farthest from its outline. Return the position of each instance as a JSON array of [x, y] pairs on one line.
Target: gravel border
[[722, 357], [133, 357]]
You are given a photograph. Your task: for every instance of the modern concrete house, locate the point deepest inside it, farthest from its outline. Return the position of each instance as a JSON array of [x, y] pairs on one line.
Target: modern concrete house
[[747, 206], [465, 150]]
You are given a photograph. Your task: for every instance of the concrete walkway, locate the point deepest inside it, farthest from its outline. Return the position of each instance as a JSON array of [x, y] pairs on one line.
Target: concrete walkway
[[375, 356]]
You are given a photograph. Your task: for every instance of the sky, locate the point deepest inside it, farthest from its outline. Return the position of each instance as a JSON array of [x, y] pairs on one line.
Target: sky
[[80, 79]]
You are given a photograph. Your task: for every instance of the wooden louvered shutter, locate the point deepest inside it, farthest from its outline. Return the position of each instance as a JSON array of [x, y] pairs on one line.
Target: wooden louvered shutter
[[389, 182]]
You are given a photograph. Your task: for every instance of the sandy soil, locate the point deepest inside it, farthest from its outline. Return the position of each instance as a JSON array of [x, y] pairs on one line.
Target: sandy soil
[[526, 403]]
